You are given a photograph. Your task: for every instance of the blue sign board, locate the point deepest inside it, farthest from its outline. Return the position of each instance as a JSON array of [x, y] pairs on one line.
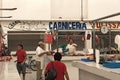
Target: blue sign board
[[67, 26]]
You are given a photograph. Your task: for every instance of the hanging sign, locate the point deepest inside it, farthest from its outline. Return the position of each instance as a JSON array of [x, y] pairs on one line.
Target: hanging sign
[[67, 26], [109, 25]]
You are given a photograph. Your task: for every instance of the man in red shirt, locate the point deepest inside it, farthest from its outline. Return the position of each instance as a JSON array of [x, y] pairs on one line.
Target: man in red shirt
[[59, 66], [21, 58]]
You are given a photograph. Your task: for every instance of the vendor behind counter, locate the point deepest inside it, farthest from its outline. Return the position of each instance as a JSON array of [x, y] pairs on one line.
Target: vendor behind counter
[[69, 49]]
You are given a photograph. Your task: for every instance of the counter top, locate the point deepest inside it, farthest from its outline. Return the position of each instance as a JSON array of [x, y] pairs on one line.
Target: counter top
[[28, 52], [8, 71], [67, 58], [97, 69]]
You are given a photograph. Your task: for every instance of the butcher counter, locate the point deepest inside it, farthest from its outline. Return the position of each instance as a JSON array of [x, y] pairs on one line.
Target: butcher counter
[[92, 71]]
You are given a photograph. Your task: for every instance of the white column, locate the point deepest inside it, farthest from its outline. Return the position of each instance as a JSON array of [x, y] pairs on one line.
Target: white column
[[85, 9], [0, 7], [46, 45]]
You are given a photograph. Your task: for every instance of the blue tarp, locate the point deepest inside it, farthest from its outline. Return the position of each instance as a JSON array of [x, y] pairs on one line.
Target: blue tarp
[[112, 64], [86, 60]]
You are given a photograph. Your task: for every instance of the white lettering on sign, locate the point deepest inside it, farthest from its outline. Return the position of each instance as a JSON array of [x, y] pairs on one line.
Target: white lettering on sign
[[109, 25]]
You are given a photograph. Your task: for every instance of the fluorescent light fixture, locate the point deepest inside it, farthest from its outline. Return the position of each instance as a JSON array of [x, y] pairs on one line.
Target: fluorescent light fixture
[[8, 8], [5, 16]]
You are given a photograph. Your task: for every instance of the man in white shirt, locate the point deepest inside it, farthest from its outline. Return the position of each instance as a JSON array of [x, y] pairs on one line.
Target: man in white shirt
[[40, 58], [71, 47]]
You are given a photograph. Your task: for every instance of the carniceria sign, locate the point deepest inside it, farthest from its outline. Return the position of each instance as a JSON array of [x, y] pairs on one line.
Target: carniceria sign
[[67, 26]]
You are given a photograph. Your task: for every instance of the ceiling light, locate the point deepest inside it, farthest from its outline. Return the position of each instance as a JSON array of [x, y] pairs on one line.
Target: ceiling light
[[8, 8], [5, 16]]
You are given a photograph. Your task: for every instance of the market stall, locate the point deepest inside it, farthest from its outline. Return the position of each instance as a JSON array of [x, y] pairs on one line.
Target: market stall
[[98, 66], [94, 71], [64, 31]]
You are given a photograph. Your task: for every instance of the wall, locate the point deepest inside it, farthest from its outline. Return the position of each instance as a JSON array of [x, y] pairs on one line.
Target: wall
[[100, 8], [22, 26], [0, 7], [45, 9], [28, 9], [67, 9], [57, 9]]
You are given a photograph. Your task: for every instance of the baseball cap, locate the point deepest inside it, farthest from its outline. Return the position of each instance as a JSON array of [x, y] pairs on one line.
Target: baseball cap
[[40, 42]]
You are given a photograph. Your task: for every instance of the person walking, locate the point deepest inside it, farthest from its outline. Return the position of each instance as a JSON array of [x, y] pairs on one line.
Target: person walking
[[59, 67], [21, 58], [40, 58]]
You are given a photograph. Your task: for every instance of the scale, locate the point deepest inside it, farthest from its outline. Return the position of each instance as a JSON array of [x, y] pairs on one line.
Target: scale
[[104, 29]]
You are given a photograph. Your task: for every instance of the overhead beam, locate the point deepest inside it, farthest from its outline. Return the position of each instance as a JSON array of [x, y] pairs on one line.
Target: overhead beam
[[105, 17]]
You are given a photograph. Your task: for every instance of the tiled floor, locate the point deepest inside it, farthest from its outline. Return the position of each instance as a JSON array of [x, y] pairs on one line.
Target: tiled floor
[[2, 67], [31, 75]]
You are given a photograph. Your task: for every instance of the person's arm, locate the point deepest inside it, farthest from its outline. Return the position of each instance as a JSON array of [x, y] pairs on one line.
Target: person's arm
[[23, 61], [41, 54], [75, 45], [66, 75], [14, 54], [67, 47], [45, 73], [24, 58]]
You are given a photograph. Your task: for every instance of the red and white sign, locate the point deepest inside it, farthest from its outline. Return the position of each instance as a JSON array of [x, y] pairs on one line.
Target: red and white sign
[[109, 25]]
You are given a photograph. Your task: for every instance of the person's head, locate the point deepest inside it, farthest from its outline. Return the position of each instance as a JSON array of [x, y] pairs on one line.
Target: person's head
[[41, 44], [57, 56], [20, 47], [71, 41]]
